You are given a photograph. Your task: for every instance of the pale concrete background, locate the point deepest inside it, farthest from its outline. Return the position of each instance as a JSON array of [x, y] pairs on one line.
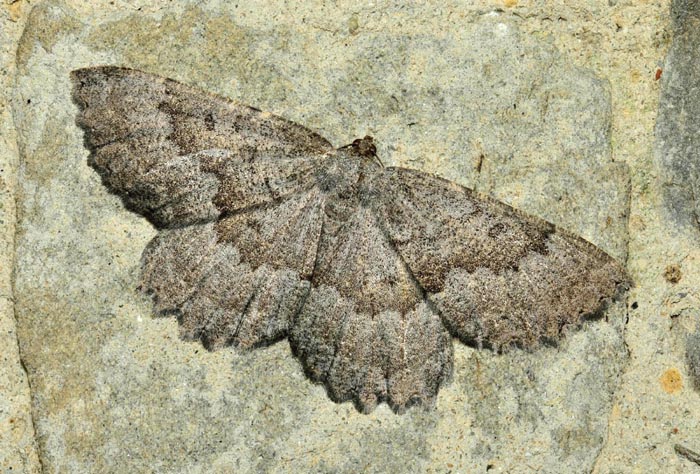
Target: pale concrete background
[[114, 391]]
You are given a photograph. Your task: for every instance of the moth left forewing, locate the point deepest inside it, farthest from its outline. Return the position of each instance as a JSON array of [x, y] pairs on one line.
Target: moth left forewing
[[178, 155]]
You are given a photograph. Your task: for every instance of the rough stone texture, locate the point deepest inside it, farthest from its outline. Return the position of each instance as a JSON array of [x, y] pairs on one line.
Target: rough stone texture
[[18, 453], [656, 406], [114, 390], [692, 358], [678, 123]]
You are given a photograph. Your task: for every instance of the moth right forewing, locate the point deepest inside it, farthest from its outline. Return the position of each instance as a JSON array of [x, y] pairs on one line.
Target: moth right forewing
[[497, 276]]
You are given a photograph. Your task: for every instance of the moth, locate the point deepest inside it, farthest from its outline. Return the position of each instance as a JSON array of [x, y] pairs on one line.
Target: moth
[[267, 231]]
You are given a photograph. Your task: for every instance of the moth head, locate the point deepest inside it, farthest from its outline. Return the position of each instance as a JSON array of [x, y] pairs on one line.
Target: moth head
[[364, 147]]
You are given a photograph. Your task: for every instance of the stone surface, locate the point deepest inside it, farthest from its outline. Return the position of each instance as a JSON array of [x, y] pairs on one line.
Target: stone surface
[[18, 453], [656, 405], [115, 389], [692, 358], [678, 122], [534, 102]]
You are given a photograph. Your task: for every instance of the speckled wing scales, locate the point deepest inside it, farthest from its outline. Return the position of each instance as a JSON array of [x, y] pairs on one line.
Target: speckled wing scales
[[239, 280], [266, 231], [229, 186], [365, 330], [496, 276], [178, 155]]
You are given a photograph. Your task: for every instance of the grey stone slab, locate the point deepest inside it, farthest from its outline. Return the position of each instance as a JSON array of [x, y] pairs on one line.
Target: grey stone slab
[[463, 94], [692, 354], [677, 153], [678, 121]]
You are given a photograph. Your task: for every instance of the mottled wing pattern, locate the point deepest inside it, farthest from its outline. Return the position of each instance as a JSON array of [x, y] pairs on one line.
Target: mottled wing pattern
[[365, 330], [496, 276], [240, 280], [265, 231], [178, 155], [231, 189]]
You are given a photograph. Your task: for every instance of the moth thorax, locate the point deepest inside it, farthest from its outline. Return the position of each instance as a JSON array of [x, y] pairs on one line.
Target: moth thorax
[[346, 170]]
